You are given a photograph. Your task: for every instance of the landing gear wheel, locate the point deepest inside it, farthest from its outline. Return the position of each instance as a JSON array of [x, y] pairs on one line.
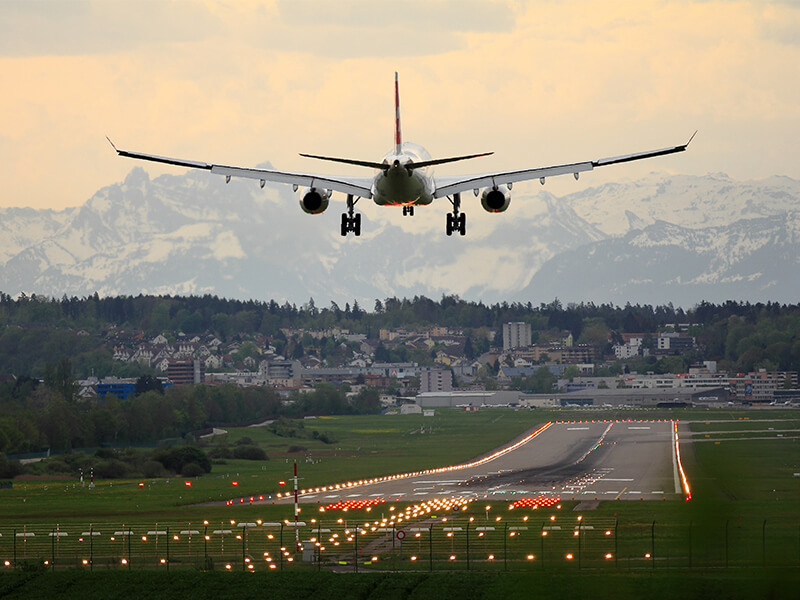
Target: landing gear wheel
[[456, 221], [408, 210], [350, 220]]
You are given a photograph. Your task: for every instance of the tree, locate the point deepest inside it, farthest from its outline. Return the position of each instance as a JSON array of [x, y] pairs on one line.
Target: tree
[[146, 383], [571, 372], [60, 380], [469, 350]]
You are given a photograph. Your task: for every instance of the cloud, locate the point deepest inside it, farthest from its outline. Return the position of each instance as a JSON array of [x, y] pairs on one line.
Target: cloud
[[84, 27]]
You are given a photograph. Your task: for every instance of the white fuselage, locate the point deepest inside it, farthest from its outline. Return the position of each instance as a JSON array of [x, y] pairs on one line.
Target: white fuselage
[[399, 186]]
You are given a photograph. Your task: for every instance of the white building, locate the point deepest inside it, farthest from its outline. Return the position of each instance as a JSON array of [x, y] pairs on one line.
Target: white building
[[516, 335], [435, 380]]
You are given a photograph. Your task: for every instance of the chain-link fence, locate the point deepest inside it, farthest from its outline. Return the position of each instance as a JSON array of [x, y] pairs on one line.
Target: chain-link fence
[[484, 542]]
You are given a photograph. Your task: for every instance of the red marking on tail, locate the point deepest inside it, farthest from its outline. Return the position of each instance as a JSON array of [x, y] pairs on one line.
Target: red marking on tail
[[398, 141]]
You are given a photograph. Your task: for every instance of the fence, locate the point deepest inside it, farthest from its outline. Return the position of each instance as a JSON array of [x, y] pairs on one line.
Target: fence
[[485, 542]]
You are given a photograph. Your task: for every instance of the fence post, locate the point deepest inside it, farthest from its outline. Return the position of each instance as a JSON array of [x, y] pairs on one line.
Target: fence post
[[468, 524], [505, 548], [244, 537], [91, 547], [653, 546], [205, 546], [53, 550], [690, 543], [541, 537], [130, 560], [319, 545], [616, 544], [764, 543], [281, 543], [726, 542], [430, 546], [168, 547], [15, 548], [355, 560]]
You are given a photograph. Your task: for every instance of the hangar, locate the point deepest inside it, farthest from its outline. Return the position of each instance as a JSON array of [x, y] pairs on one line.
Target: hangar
[[616, 398]]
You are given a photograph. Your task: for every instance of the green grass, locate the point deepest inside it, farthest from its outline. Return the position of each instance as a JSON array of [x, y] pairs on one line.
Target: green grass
[[738, 585], [743, 514]]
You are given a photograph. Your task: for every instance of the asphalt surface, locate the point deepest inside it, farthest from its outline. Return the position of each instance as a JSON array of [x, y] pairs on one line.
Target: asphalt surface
[[624, 460]]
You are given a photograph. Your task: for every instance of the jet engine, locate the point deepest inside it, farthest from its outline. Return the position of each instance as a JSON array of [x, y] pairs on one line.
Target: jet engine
[[315, 200], [495, 199]]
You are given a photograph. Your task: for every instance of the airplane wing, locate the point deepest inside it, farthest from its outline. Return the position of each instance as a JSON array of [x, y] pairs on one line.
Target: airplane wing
[[358, 186], [452, 185]]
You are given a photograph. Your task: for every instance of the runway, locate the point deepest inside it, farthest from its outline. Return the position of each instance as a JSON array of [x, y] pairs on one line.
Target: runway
[[581, 460]]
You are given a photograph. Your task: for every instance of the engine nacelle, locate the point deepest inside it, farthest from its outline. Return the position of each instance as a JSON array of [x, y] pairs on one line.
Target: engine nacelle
[[496, 199], [315, 200]]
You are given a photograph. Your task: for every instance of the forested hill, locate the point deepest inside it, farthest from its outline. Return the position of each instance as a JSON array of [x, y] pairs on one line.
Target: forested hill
[[38, 330]]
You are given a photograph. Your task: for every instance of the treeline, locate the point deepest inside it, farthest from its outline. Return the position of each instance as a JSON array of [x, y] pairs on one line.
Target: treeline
[[226, 318], [38, 416]]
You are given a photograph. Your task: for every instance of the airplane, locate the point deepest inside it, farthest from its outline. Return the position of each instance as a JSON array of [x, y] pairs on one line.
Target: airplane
[[404, 178]]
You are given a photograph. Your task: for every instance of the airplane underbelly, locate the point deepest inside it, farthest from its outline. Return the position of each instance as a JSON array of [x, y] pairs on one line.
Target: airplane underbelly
[[397, 188]]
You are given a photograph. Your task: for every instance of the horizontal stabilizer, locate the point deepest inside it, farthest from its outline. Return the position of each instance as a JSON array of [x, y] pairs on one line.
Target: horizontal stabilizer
[[385, 166]]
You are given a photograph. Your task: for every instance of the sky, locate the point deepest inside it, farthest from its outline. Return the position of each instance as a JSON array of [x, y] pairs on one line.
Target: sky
[[536, 82]]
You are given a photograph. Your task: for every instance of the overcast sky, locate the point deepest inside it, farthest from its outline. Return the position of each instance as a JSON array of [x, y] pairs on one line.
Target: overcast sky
[[540, 82]]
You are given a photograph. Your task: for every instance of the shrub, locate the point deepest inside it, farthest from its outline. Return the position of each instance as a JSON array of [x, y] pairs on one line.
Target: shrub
[[245, 441], [325, 437], [153, 468], [10, 468], [57, 465], [293, 449], [249, 453], [192, 470], [111, 469], [220, 452], [175, 459]]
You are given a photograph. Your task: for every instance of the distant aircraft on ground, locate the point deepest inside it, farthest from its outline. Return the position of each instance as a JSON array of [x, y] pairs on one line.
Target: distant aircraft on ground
[[404, 179]]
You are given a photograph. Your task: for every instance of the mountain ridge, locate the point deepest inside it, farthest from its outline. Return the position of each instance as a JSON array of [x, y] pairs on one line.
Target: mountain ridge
[[681, 237]]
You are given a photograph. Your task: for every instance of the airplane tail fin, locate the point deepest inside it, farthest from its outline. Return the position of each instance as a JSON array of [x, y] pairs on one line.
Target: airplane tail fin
[[398, 140]]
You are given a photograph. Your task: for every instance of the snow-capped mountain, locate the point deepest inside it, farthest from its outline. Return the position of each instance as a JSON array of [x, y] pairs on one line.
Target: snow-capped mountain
[[662, 238]]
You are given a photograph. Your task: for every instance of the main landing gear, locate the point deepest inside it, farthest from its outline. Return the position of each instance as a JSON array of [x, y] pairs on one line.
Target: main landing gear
[[350, 220], [408, 210], [456, 221]]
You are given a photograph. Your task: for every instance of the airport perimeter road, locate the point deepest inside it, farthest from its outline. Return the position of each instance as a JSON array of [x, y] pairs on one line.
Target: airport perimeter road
[[625, 460]]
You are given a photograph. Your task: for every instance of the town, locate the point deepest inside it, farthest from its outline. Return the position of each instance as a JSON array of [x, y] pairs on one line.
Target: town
[[447, 366]]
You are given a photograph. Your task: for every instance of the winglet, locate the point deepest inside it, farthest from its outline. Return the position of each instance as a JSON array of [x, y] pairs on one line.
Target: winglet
[[112, 144], [691, 138]]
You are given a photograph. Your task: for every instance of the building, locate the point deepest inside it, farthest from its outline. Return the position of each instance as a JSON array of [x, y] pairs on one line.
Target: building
[[186, 372], [516, 335], [435, 380], [281, 373], [674, 343]]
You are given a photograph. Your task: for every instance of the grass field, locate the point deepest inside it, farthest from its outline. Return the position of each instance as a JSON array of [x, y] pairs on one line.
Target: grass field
[[737, 585], [743, 514]]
